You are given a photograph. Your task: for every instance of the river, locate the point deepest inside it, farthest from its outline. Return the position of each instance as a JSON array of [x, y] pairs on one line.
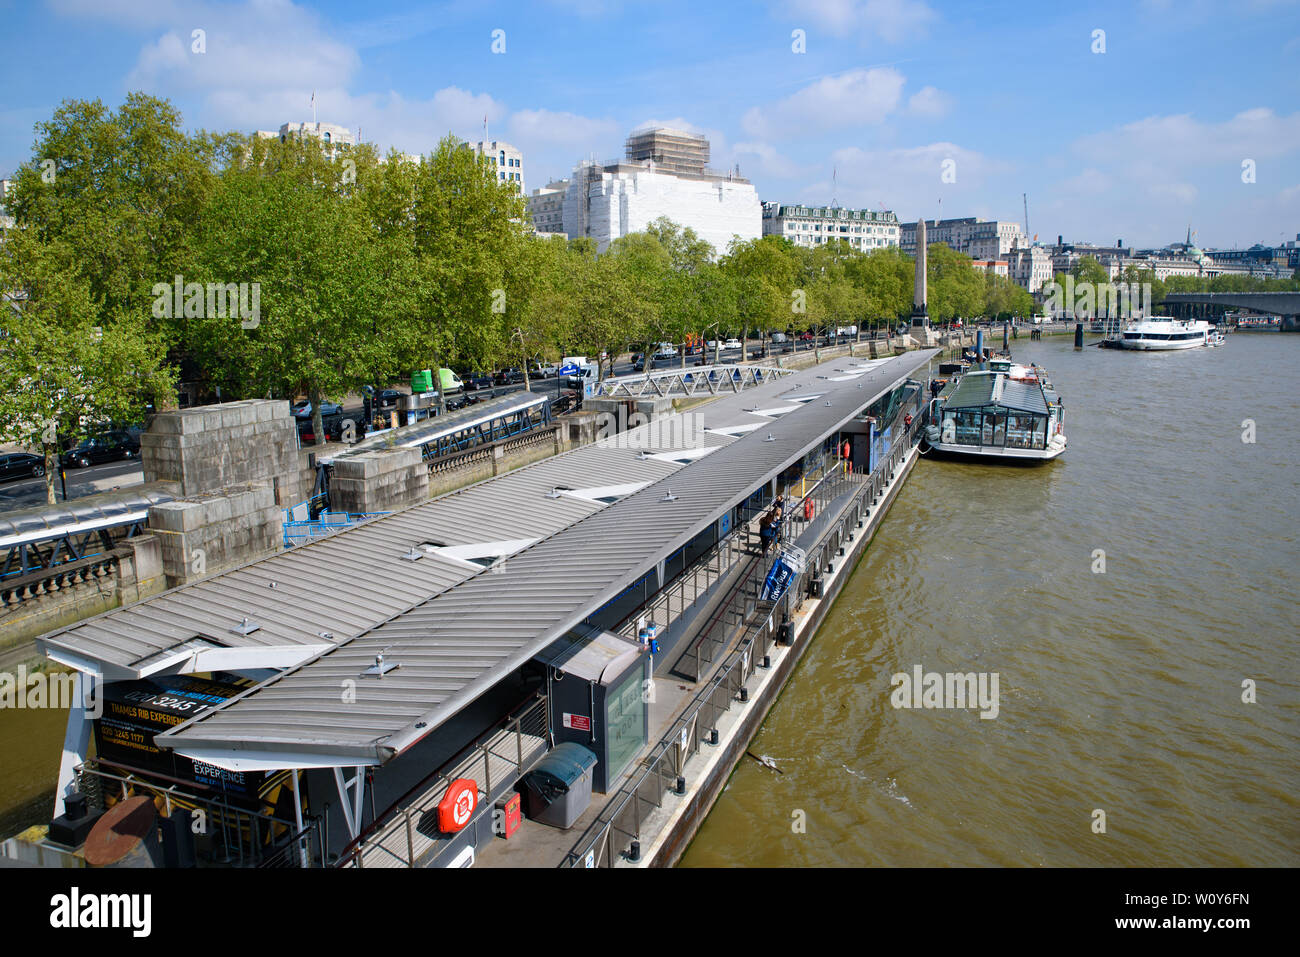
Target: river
[[1121, 691]]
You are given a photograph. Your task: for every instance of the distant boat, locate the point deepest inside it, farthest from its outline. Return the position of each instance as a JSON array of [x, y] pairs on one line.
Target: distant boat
[[1256, 323], [1005, 412], [1163, 334]]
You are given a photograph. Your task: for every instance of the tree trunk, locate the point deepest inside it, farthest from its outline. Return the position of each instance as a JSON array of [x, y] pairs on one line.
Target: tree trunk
[[744, 342], [51, 472]]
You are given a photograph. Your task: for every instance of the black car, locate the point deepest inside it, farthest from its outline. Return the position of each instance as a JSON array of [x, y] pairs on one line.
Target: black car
[[21, 465], [509, 376], [475, 382], [106, 447]]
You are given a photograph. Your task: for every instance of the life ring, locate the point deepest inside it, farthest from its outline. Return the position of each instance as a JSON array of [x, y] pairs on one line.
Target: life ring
[[458, 805], [907, 419], [808, 508]]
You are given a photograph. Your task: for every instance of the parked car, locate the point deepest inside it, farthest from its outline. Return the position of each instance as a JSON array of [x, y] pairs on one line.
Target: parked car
[[508, 376], [806, 337], [478, 381], [779, 337], [638, 362], [666, 351], [105, 447], [21, 465], [543, 370], [303, 408], [731, 344]]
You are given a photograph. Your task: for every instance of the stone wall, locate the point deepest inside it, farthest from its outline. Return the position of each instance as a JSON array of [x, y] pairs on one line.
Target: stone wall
[[215, 531], [382, 480], [235, 443], [130, 572]]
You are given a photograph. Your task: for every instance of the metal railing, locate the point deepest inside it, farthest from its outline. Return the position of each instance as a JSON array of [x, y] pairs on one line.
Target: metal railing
[[398, 837], [672, 601], [92, 568], [238, 837], [486, 451], [621, 820]]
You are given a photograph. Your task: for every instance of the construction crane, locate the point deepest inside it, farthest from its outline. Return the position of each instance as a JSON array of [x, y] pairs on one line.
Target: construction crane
[[1025, 197]]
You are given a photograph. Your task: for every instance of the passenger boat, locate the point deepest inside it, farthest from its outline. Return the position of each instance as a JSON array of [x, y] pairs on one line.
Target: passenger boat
[[1002, 411], [1215, 338], [1256, 323], [1164, 333]]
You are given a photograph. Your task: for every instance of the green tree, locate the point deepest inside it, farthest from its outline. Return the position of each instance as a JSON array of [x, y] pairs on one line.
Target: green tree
[[954, 288], [67, 367], [123, 190]]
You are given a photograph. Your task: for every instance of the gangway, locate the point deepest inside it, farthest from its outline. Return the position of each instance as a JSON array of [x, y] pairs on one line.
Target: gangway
[[33, 539], [692, 381]]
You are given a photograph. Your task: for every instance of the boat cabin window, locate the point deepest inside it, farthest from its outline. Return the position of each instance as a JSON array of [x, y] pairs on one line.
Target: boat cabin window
[[995, 429], [967, 426], [1026, 431]]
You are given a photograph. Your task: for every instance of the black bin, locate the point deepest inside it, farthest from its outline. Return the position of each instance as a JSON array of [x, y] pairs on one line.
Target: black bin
[[558, 789]]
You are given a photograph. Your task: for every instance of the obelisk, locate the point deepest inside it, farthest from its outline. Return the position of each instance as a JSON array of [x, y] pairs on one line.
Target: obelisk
[[920, 317]]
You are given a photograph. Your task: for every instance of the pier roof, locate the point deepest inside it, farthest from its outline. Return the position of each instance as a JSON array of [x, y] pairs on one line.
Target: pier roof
[[473, 632]]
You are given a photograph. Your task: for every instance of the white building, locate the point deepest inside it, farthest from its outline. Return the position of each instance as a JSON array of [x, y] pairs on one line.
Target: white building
[[334, 139], [974, 237], [508, 161], [1029, 266], [6, 221], [546, 207], [998, 267], [862, 229], [664, 175]]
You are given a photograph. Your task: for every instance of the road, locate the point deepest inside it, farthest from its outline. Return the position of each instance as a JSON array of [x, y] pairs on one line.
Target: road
[[25, 493]]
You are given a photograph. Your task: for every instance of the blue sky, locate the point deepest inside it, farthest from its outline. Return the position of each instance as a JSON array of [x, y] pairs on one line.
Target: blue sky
[[1135, 142]]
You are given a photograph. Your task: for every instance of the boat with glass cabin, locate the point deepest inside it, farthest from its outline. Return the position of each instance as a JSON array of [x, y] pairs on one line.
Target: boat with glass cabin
[[1001, 411]]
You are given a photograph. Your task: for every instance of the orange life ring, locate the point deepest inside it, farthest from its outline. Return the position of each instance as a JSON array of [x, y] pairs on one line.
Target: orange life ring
[[457, 805], [808, 508]]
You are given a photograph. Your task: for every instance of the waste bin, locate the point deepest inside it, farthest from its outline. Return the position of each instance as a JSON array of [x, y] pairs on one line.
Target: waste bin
[[558, 789]]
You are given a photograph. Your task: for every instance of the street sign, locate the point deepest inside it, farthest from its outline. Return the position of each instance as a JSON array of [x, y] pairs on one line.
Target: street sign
[[569, 369]]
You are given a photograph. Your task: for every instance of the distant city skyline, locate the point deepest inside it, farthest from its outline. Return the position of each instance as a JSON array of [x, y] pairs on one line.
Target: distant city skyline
[[1119, 121]]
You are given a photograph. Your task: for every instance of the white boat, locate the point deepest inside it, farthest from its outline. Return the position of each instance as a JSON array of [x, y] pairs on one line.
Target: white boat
[[1162, 333], [1005, 412], [1216, 338]]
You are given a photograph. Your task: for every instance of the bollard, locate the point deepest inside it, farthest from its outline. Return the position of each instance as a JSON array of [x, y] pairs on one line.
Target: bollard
[[1078, 335], [713, 736], [634, 852], [680, 787]]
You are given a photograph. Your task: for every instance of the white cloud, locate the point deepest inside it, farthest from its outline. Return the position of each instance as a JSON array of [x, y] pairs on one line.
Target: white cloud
[[1178, 141], [929, 102], [767, 161], [549, 127], [909, 180], [855, 98], [891, 20]]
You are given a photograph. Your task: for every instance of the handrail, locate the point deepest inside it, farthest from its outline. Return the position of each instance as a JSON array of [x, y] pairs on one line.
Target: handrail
[[491, 728], [755, 642]]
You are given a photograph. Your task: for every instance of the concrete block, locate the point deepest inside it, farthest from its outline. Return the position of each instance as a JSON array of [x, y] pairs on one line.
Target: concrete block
[[176, 516]]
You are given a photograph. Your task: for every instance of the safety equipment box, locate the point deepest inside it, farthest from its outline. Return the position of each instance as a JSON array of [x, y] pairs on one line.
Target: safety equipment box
[[558, 789], [509, 814]]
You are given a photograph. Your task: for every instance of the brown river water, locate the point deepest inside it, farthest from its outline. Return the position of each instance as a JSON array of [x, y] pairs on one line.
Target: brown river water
[[1119, 692]]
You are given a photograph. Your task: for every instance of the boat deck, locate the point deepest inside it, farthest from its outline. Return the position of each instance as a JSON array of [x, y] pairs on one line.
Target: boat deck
[[413, 835]]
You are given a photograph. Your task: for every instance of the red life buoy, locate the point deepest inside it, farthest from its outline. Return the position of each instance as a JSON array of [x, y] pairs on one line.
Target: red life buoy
[[808, 508], [907, 420], [457, 805]]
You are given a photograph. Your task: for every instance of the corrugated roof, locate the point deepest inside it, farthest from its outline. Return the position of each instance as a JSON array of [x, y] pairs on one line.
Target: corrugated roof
[[976, 390], [459, 643]]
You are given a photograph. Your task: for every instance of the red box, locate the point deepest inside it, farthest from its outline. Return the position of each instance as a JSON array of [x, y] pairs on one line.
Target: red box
[[507, 816]]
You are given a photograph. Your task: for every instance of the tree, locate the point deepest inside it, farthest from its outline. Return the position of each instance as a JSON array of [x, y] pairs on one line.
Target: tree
[[285, 223], [67, 368], [467, 224], [765, 271], [122, 190], [954, 287]]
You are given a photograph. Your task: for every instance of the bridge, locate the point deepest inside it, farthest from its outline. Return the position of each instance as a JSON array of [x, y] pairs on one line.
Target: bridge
[[1187, 305], [690, 381]]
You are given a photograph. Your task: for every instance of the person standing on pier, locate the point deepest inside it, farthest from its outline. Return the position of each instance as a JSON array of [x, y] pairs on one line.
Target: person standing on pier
[[769, 526]]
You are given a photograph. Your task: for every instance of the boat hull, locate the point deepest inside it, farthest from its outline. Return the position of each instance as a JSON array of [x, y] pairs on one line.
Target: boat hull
[[1151, 345], [975, 453]]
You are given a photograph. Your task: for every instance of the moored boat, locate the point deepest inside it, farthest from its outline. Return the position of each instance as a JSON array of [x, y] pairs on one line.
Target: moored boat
[[1002, 412], [1163, 334]]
